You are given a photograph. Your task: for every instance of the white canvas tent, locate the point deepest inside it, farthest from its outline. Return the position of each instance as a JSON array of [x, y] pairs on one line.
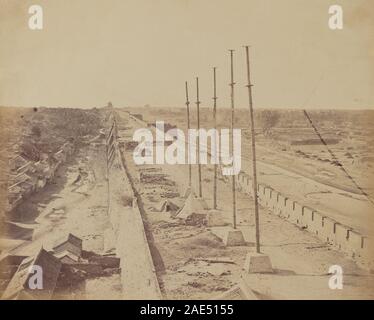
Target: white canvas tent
[[168, 206], [193, 205]]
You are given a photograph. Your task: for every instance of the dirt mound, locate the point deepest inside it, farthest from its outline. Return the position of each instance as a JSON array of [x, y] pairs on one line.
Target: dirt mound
[[203, 240]]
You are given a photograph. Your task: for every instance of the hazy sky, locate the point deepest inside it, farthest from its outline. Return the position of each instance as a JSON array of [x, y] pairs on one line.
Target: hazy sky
[[136, 52]]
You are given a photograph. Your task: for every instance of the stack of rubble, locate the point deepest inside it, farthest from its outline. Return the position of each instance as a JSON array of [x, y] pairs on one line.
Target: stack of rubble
[[63, 266], [27, 176]]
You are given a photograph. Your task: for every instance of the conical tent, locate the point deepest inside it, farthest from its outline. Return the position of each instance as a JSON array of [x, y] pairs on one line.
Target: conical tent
[[193, 205], [167, 206]]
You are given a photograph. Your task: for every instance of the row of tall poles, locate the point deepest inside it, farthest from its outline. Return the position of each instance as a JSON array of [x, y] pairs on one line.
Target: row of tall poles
[[253, 143]]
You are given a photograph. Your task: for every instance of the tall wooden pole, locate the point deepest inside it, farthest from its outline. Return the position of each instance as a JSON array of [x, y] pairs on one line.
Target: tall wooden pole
[[198, 135], [188, 128], [254, 180], [232, 138], [215, 140]]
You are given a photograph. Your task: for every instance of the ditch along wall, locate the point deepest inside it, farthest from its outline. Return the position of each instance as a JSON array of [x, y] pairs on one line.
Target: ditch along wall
[[342, 237], [127, 233]]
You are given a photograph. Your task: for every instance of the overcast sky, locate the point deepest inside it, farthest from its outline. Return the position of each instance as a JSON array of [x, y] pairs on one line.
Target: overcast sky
[[137, 52]]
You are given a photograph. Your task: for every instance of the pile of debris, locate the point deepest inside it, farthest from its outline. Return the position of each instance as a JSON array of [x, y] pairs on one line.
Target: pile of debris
[[63, 266], [156, 178], [28, 176]]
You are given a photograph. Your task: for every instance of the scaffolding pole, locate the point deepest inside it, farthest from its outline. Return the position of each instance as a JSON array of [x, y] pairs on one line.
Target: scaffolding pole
[[188, 129], [215, 139], [232, 138], [254, 170], [198, 135]]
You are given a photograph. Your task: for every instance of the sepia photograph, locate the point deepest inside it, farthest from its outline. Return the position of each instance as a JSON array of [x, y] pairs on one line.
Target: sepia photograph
[[186, 150]]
